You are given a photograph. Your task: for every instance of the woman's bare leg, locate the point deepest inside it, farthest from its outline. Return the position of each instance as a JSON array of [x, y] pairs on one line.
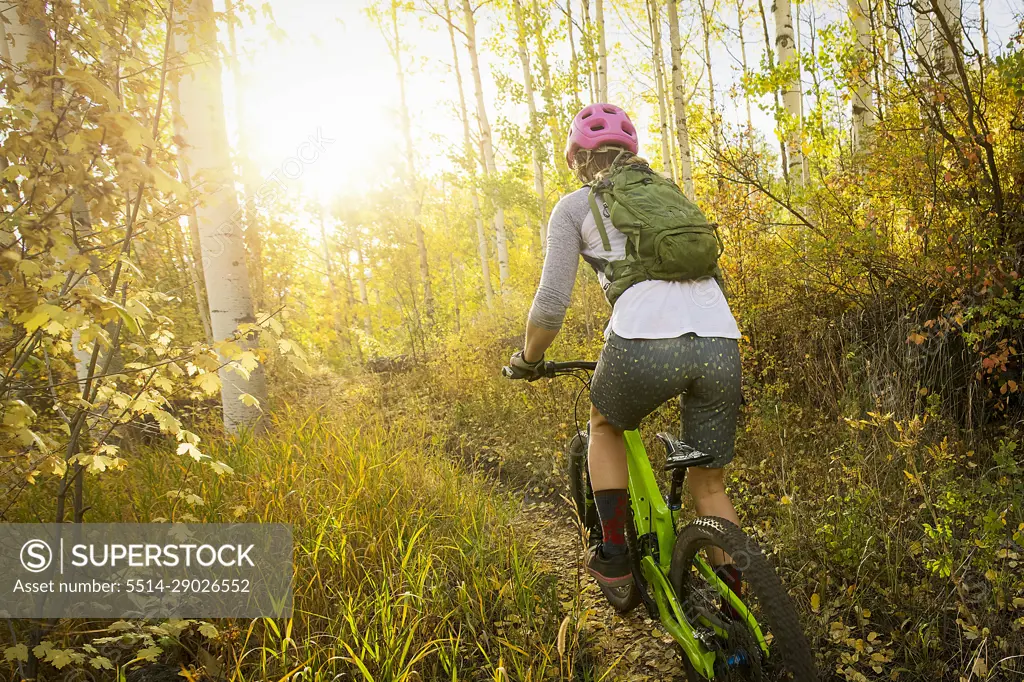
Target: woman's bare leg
[[607, 454], [707, 487]]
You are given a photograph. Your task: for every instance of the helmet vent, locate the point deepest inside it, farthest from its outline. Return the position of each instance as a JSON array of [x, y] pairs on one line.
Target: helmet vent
[[597, 127], [609, 110], [587, 115]]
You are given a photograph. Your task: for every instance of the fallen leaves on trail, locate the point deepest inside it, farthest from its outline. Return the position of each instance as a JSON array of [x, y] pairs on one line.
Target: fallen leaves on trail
[[630, 647]]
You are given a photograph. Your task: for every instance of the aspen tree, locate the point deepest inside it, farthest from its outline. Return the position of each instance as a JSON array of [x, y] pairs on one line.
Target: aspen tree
[[409, 174], [602, 52], [206, 155], [679, 103], [863, 106], [471, 158], [535, 144], [789, 65], [487, 145], [654, 19]]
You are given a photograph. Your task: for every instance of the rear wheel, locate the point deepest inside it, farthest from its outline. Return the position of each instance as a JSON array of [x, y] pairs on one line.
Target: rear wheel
[[622, 599], [740, 656]]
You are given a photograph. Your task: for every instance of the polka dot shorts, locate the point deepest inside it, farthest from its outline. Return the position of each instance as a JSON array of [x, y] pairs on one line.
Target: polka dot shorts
[[635, 376]]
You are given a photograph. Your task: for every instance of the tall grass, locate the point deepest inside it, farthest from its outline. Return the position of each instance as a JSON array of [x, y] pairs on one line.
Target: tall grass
[[406, 567]]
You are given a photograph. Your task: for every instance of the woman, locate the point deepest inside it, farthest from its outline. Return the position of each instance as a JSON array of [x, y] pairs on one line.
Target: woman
[[664, 339]]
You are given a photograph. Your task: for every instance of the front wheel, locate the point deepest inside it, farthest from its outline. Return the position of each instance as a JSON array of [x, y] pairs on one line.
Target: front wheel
[[740, 653]]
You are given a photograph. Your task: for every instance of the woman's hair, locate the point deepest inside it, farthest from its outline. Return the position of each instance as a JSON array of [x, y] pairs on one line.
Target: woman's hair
[[587, 163]]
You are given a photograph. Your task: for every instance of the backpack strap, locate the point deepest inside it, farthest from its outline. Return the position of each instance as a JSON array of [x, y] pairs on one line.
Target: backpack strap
[[596, 212]]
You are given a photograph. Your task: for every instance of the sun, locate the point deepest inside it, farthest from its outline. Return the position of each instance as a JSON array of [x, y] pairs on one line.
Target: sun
[[314, 108]]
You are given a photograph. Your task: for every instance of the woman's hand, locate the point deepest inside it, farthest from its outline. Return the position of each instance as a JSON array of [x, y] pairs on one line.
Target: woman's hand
[[519, 368]]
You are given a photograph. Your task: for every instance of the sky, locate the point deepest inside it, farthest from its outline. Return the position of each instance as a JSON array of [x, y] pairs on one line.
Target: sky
[[319, 96]]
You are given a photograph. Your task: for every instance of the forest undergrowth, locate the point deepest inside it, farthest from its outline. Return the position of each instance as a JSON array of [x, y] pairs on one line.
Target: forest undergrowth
[[900, 538]]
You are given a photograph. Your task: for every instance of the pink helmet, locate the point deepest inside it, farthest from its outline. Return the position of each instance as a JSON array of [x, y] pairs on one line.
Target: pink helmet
[[597, 125]]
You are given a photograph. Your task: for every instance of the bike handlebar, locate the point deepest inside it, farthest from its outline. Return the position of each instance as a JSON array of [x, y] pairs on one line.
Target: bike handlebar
[[553, 369]]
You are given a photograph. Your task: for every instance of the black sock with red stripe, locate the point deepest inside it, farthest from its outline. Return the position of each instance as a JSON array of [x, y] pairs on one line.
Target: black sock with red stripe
[[613, 509]]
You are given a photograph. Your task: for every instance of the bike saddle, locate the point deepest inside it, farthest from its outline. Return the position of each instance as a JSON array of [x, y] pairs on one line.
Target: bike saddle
[[679, 455]]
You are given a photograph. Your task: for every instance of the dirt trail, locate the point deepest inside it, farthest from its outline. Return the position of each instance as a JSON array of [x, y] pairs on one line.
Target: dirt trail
[[644, 651]]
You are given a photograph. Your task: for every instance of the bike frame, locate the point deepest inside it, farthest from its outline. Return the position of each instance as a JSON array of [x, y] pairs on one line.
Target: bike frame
[[656, 538]]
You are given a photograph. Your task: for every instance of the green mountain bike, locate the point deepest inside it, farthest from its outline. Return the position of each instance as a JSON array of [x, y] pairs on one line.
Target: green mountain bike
[[756, 636]]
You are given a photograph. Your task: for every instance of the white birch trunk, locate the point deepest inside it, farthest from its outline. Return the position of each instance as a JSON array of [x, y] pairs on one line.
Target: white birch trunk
[[588, 50], [951, 12], [550, 106], [574, 59], [361, 283], [206, 155], [654, 18], [602, 52], [490, 168], [679, 103], [791, 95], [471, 158], [983, 27], [250, 177], [746, 72], [863, 106], [534, 128], [705, 22], [770, 54], [410, 169]]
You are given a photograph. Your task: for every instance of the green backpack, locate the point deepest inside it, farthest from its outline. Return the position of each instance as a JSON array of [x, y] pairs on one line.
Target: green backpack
[[667, 236]]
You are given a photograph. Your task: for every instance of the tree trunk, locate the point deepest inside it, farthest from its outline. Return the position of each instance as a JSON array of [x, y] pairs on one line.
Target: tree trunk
[[250, 178], [863, 107], [574, 59], [196, 271], [951, 12], [789, 65], [410, 168], [588, 51], [602, 52], [361, 283], [331, 280], [746, 71], [654, 19], [205, 154], [490, 169], [983, 27], [550, 106], [705, 22], [535, 143], [456, 302], [679, 103], [770, 55], [471, 163]]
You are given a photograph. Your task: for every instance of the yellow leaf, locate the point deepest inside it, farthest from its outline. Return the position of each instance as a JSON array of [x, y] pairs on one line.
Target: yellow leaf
[[786, 499], [18, 652], [29, 268], [208, 382], [168, 185], [815, 602], [249, 400], [221, 469], [191, 450]]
